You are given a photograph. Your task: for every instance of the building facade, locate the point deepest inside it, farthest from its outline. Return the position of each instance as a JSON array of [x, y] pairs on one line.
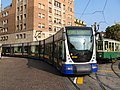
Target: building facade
[[33, 20], [79, 23]]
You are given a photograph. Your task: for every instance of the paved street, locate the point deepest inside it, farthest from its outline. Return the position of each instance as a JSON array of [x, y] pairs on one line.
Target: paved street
[[106, 75], [27, 74]]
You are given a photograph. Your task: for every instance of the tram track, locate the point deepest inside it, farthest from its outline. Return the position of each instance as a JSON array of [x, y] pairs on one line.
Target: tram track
[[102, 85], [75, 85], [114, 69]]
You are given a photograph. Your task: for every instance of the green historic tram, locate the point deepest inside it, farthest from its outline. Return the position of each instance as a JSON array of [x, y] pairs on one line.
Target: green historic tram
[[107, 50]]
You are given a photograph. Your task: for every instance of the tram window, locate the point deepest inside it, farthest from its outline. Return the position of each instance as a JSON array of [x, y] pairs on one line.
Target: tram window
[[116, 47], [56, 49], [60, 49], [18, 49], [34, 49], [100, 45], [8, 50], [25, 49], [106, 45], [47, 49], [112, 46], [119, 47], [42, 49]]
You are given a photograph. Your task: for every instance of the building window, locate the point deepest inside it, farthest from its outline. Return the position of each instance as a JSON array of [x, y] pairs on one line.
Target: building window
[[25, 7], [41, 15], [6, 30], [24, 35], [17, 27], [17, 36], [18, 9], [4, 38], [57, 4], [64, 15], [5, 22], [21, 27], [69, 9], [41, 25], [24, 16], [5, 14], [50, 27], [63, 7], [50, 10], [50, 1], [69, 23], [20, 17], [20, 36], [69, 2], [63, 22], [24, 26], [41, 6], [69, 16], [21, 8], [57, 21], [17, 18], [50, 18], [57, 12]]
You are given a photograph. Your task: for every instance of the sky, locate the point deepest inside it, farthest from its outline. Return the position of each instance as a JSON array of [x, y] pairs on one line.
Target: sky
[[104, 12]]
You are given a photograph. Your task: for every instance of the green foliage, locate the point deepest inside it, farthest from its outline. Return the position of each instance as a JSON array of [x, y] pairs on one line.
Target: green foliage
[[113, 32]]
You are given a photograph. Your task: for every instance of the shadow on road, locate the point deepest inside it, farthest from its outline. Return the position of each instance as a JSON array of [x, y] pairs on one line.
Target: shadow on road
[[41, 65]]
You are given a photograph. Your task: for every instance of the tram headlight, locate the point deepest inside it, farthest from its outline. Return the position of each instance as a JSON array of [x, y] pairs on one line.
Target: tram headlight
[[69, 68], [94, 67]]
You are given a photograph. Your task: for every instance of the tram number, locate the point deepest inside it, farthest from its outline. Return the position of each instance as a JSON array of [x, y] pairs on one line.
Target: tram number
[[74, 56]]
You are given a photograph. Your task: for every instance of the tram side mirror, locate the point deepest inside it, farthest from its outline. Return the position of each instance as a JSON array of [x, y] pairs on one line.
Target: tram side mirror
[[98, 36]]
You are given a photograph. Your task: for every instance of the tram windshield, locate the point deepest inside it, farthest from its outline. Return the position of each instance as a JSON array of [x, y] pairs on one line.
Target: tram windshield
[[80, 43]]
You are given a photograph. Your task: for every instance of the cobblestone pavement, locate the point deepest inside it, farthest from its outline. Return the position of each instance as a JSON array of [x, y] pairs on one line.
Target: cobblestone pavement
[[106, 76], [28, 74]]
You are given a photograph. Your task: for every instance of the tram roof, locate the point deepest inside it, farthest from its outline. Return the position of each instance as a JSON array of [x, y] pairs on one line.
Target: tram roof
[[75, 27], [110, 40]]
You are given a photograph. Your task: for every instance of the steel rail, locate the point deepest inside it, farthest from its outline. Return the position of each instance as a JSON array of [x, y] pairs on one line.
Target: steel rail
[[75, 85], [113, 68]]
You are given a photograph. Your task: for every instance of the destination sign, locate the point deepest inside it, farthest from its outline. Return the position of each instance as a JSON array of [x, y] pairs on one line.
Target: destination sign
[[79, 32]]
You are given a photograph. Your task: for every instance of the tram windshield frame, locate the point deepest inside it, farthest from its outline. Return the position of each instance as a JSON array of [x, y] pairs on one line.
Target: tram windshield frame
[[80, 43]]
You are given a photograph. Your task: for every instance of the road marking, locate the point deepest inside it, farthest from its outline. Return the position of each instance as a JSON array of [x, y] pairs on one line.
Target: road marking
[[78, 80]]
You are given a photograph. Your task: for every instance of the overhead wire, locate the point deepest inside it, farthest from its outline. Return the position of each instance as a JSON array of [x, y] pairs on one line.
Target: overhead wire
[[85, 9], [104, 11], [100, 11]]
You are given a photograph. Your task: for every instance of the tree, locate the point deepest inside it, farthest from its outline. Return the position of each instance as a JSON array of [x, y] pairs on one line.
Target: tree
[[113, 32]]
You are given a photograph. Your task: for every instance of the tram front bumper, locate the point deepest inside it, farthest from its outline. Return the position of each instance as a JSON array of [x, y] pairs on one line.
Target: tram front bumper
[[79, 69]]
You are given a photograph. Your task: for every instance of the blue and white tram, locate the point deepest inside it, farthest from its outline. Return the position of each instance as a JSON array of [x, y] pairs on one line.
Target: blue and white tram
[[72, 50], [79, 54]]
